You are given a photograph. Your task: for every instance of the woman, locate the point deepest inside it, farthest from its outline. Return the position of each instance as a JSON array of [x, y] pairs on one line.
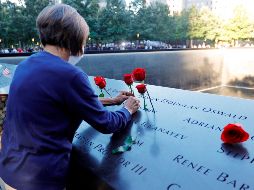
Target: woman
[[48, 100]]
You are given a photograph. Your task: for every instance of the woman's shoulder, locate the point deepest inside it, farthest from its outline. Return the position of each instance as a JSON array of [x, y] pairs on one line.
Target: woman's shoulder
[[45, 64]]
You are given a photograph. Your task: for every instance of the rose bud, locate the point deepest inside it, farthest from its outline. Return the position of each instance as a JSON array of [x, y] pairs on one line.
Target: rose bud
[[141, 88], [234, 133], [139, 74], [100, 82], [128, 79]]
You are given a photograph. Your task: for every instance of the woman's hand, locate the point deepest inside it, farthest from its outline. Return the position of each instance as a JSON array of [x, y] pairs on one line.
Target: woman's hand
[[132, 104], [119, 99]]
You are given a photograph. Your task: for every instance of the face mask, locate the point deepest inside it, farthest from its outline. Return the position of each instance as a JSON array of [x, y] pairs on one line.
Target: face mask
[[74, 59]]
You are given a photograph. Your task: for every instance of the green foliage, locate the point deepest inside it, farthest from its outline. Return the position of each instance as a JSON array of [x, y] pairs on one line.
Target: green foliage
[[30, 12], [11, 23], [179, 27], [89, 9], [194, 24], [114, 22], [17, 23], [239, 27], [153, 22]]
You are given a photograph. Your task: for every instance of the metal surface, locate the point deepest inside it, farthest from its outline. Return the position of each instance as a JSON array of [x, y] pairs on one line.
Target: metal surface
[[178, 147], [5, 80]]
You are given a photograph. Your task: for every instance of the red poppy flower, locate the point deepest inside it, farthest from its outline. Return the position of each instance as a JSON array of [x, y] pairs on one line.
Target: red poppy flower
[[141, 88], [100, 82], [128, 79], [234, 133], [139, 74]]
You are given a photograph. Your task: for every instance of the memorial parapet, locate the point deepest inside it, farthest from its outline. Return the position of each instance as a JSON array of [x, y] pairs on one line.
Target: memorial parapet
[[6, 73], [177, 147]]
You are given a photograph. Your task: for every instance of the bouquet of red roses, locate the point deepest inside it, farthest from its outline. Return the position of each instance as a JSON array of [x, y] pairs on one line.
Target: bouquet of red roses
[[138, 74]]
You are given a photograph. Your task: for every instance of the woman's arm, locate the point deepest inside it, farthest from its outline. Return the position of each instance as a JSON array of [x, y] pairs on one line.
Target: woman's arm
[[83, 102], [107, 101]]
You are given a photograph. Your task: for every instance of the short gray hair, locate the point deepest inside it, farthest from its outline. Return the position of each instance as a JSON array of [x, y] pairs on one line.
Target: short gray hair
[[61, 25]]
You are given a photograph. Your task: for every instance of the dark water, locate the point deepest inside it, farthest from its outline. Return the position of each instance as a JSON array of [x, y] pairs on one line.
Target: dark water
[[233, 91], [189, 70], [184, 70]]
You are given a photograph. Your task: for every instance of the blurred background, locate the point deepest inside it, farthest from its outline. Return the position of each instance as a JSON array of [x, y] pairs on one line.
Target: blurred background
[[137, 24], [199, 45]]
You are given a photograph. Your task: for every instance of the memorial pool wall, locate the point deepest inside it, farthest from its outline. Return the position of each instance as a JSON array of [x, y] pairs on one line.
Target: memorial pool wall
[[185, 69]]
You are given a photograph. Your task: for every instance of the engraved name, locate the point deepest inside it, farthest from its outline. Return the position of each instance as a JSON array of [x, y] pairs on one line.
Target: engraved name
[[163, 131]]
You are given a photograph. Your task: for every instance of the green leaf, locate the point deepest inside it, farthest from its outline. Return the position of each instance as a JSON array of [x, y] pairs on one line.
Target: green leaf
[[119, 149], [129, 141], [101, 95]]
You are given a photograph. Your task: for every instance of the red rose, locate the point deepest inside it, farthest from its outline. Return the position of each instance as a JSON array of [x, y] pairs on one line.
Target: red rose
[[139, 74], [234, 133], [128, 79], [141, 88], [100, 82]]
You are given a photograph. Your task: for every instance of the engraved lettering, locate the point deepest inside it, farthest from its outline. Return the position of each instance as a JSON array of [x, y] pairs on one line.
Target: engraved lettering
[[173, 185]]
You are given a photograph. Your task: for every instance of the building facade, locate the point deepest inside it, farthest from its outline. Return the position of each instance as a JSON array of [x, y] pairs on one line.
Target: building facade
[[222, 8]]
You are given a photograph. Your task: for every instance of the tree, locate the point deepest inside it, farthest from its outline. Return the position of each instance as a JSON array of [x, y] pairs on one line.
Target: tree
[[11, 23], [153, 22], [89, 9], [194, 24], [136, 5], [17, 23], [239, 27], [180, 27], [113, 22], [163, 24], [210, 25], [31, 11]]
